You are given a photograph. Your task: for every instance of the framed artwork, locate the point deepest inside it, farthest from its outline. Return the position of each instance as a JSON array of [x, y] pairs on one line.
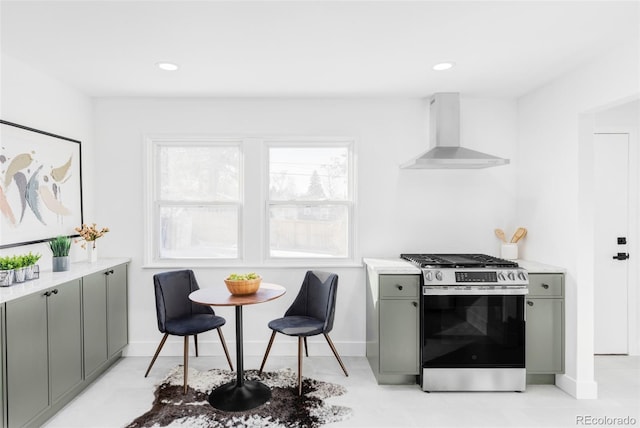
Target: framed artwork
[[40, 185]]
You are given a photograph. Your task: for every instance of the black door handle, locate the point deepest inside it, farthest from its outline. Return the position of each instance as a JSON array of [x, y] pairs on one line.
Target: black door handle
[[621, 256]]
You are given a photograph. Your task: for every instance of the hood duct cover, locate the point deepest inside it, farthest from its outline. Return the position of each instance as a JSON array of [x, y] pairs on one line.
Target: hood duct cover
[[444, 133]]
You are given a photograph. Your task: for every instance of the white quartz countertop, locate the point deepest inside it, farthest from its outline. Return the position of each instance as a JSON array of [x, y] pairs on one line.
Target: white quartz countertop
[[51, 279], [400, 266], [390, 266], [535, 267]]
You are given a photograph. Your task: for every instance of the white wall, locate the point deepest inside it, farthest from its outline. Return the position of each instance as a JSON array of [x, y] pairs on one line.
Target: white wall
[[554, 198], [398, 210], [34, 99]]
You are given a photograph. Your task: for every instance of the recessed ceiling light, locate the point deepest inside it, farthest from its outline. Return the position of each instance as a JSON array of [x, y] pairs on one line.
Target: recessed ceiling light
[[167, 66], [443, 66]]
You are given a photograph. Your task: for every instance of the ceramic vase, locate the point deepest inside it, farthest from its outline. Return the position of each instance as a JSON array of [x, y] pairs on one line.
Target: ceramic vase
[[92, 252]]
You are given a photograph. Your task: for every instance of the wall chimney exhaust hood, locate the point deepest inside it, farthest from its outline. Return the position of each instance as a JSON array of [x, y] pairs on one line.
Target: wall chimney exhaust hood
[[444, 134]]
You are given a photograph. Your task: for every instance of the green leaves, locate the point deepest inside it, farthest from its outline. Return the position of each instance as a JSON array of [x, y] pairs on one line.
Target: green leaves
[[243, 276], [60, 246]]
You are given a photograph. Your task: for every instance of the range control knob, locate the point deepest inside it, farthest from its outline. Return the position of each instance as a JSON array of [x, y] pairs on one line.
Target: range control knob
[[522, 276], [501, 276], [511, 276], [428, 276], [439, 275]]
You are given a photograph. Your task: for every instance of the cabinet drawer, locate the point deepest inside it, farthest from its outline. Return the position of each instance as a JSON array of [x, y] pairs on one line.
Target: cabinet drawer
[[400, 286], [546, 285]]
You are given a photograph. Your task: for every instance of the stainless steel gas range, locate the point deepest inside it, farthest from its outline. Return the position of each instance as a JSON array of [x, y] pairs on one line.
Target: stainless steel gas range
[[472, 315]]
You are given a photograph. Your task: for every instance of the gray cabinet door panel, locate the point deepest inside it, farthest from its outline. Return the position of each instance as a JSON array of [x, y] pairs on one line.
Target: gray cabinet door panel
[[117, 320], [27, 366], [65, 338], [398, 336], [399, 286], [544, 332], [546, 285], [94, 306]]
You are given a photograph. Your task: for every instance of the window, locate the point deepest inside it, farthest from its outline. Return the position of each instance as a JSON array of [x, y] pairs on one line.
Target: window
[[234, 201], [197, 199], [310, 201]]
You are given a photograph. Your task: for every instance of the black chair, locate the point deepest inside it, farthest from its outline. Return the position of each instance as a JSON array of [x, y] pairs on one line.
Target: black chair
[[179, 316], [310, 314]]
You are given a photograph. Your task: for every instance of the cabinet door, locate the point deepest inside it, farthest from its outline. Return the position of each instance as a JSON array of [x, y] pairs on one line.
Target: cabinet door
[[544, 333], [65, 338], [94, 306], [3, 423], [117, 322], [399, 336], [27, 373]]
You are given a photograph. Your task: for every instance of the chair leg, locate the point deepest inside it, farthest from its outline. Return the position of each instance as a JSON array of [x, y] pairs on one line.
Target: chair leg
[[186, 362], [300, 340], [224, 346], [195, 341], [266, 354], [306, 349], [153, 360], [335, 352]]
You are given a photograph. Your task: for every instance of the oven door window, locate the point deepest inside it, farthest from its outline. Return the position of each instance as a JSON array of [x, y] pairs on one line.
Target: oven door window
[[473, 331]]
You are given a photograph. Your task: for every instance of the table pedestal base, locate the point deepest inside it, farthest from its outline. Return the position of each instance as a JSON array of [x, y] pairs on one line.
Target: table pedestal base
[[232, 397]]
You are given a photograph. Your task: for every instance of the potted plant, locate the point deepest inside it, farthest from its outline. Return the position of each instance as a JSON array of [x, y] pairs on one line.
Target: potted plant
[[60, 246], [6, 271], [30, 261], [20, 268]]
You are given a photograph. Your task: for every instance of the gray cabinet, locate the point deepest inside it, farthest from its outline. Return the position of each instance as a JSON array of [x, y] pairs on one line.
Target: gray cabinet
[[545, 327], [3, 393], [43, 342], [104, 303], [117, 311], [393, 328]]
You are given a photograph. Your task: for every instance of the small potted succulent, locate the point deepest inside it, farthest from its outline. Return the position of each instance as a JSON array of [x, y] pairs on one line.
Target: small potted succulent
[[7, 271], [20, 268], [30, 261], [60, 246]]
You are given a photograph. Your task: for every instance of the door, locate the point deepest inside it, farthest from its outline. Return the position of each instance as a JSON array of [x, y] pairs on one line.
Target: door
[[65, 338], [611, 193], [94, 305], [117, 321], [473, 331]]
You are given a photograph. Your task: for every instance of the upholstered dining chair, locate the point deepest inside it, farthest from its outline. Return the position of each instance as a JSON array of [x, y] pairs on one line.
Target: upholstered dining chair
[[310, 314], [179, 316]]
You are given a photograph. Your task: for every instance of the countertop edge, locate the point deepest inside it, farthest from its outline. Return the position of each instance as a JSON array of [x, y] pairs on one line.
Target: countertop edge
[[49, 279]]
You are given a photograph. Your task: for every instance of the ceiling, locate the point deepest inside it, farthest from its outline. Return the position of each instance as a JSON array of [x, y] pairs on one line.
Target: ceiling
[[311, 48]]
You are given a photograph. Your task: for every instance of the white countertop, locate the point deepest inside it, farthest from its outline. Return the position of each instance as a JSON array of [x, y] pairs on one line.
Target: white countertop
[[51, 279], [391, 266], [400, 266], [535, 267]]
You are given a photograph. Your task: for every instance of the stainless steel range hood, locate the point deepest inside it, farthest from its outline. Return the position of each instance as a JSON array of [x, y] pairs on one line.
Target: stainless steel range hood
[[444, 133]]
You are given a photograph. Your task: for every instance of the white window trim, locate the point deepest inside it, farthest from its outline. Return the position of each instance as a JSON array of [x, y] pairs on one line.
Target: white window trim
[[350, 202], [152, 204]]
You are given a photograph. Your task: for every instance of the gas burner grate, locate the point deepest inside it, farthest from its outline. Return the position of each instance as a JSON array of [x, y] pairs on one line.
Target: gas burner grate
[[457, 260]]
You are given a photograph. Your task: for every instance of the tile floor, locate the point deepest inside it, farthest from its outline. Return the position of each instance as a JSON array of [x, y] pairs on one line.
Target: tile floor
[[122, 394]]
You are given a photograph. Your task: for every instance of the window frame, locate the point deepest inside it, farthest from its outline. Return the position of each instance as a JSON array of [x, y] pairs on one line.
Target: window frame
[[153, 203], [349, 202]]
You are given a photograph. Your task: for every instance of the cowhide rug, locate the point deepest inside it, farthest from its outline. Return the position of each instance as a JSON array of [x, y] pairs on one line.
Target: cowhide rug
[[285, 408]]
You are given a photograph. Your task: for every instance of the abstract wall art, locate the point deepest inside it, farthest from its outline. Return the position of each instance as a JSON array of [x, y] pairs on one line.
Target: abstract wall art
[[40, 185]]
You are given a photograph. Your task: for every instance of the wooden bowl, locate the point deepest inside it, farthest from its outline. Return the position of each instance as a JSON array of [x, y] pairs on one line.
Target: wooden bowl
[[242, 286]]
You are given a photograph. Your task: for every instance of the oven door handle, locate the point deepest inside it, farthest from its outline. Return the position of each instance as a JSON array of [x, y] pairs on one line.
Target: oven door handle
[[439, 291]]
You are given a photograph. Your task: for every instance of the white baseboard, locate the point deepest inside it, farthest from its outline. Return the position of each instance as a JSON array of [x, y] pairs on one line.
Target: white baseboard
[[579, 389], [282, 346]]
